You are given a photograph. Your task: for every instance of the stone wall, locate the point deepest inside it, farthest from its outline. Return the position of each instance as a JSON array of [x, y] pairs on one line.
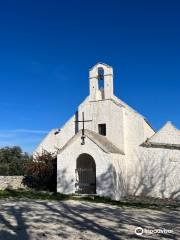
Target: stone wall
[[13, 182], [155, 173]]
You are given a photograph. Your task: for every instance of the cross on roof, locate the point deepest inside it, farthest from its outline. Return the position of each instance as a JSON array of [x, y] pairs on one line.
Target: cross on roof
[[83, 121]]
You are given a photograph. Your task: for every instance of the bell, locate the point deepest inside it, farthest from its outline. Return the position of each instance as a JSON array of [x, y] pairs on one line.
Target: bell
[[100, 76]]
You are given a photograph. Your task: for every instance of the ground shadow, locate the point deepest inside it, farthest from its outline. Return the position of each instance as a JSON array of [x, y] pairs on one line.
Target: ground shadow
[[66, 219]]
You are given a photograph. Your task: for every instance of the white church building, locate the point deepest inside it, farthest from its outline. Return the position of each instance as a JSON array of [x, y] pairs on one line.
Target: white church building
[[109, 149]]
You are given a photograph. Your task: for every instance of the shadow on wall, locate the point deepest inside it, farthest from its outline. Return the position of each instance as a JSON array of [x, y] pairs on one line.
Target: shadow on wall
[[63, 185], [151, 178], [111, 184], [154, 177]]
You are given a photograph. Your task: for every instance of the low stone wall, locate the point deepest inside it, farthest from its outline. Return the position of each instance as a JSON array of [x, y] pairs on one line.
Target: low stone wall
[[12, 182]]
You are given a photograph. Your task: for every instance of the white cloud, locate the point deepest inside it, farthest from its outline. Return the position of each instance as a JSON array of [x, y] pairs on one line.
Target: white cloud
[[33, 131], [28, 139]]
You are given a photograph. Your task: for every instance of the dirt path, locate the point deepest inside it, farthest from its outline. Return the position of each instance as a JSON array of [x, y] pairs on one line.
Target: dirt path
[[33, 219]]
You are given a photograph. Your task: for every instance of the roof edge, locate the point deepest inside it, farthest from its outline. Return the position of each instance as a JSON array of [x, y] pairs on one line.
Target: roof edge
[[100, 63], [160, 145], [88, 134]]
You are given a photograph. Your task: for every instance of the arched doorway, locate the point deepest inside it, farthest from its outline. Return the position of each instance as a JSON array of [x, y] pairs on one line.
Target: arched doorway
[[85, 174]]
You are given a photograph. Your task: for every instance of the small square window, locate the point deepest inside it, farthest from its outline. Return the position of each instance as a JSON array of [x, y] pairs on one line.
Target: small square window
[[102, 129]]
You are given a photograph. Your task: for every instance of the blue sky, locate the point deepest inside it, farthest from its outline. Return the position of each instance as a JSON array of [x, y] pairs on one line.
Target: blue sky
[[47, 47]]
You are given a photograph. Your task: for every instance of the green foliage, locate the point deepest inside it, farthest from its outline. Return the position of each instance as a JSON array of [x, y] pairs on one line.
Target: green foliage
[[39, 172], [42, 172], [32, 194], [12, 161]]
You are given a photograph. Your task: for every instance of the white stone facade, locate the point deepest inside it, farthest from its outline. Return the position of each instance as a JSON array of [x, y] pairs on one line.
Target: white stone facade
[[118, 172]]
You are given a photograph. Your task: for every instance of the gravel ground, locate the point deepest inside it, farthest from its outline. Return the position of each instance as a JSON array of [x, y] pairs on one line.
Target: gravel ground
[[35, 219]]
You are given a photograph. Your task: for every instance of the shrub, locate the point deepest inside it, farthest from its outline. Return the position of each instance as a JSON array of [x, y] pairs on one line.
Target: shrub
[[41, 172]]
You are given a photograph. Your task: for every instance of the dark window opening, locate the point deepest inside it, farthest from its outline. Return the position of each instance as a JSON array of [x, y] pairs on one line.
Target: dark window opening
[[101, 78], [102, 129], [101, 81]]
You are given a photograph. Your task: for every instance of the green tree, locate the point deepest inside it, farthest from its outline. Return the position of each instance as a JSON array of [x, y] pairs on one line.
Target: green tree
[[12, 161]]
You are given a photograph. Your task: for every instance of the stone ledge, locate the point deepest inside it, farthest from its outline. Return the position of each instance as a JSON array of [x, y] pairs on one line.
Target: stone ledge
[[12, 182]]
